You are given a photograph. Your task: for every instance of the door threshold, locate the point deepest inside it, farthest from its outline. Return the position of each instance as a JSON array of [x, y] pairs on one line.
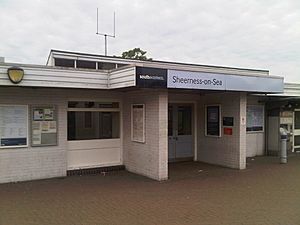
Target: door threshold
[[186, 159]]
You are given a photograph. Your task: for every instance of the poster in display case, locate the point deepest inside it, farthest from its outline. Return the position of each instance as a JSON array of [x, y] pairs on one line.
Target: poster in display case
[[138, 123], [44, 126], [13, 126], [213, 121]]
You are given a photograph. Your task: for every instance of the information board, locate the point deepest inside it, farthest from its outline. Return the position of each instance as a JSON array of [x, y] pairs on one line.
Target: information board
[[255, 118], [138, 123], [13, 125], [43, 126], [213, 120]]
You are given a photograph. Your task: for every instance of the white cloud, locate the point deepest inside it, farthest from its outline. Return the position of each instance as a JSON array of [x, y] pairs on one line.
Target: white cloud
[[252, 34]]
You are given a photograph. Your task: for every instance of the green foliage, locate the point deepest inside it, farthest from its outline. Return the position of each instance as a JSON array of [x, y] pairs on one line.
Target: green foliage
[[135, 53]]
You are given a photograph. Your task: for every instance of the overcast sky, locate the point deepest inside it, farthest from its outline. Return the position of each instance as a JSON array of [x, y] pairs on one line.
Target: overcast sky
[[262, 34]]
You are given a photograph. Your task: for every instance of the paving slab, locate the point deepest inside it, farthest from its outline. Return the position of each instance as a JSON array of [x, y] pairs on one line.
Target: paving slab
[[266, 193]]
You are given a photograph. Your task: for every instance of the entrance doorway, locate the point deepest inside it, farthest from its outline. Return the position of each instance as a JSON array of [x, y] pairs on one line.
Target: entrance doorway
[[296, 132], [180, 132]]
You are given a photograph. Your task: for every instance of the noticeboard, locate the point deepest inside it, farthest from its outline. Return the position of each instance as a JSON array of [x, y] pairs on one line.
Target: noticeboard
[[44, 126], [213, 121], [138, 123], [255, 118], [13, 126]]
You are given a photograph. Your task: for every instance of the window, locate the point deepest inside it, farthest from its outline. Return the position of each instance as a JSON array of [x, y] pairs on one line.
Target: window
[[13, 126], [297, 120], [86, 64], [64, 62], [138, 123], [255, 118], [213, 121], [88, 120], [121, 65], [184, 120], [93, 120], [106, 66]]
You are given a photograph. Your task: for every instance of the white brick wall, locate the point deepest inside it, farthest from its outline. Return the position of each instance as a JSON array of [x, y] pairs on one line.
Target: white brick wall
[[20, 164], [227, 150], [149, 158]]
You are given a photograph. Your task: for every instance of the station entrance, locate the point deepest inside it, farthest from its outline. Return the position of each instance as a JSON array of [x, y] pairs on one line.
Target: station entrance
[[180, 132]]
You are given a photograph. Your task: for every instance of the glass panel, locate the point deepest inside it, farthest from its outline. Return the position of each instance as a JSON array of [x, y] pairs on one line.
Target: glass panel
[[170, 121], [297, 141], [64, 62], [106, 66], [255, 118], [297, 119], [184, 120], [213, 120], [86, 64], [104, 125]]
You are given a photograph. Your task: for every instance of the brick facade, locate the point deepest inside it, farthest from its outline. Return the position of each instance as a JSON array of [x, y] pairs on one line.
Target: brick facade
[[149, 158], [227, 150]]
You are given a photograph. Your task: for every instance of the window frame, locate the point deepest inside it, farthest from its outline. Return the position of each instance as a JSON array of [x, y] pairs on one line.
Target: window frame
[[97, 110]]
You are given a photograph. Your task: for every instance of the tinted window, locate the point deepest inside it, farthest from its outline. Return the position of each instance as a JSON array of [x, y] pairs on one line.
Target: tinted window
[[64, 62], [86, 64]]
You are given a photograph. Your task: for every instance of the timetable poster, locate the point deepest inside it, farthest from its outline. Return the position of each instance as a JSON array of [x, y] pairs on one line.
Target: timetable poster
[[43, 126], [138, 126], [13, 125]]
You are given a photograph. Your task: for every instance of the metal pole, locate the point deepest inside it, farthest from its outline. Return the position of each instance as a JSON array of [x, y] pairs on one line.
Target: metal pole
[[97, 21], [105, 39]]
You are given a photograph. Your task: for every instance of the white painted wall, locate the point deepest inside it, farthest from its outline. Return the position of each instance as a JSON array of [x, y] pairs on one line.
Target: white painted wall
[[46, 76], [94, 153]]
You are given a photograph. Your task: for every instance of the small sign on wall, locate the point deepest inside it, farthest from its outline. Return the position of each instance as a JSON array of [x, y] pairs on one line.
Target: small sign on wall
[[228, 121], [227, 131]]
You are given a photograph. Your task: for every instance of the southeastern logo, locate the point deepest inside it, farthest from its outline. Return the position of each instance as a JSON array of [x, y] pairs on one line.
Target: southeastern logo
[[151, 77]]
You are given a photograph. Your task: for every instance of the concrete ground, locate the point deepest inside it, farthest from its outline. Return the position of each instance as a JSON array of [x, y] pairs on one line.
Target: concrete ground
[[265, 193]]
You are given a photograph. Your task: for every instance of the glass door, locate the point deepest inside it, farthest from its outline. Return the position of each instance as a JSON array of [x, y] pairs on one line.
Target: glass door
[[180, 137], [296, 132]]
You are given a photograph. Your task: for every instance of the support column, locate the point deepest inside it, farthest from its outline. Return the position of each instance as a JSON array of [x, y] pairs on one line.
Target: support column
[[150, 158], [242, 130]]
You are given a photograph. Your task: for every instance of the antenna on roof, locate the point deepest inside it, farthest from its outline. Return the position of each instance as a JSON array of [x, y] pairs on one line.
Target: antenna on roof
[[105, 34]]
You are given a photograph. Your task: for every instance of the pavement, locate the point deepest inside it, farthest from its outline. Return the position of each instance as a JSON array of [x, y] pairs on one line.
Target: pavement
[[266, 193]]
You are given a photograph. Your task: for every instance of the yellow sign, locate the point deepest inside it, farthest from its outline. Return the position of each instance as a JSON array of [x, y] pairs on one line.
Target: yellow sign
[[15, 74]]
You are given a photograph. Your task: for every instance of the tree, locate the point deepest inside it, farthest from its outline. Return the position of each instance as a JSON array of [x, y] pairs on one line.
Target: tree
[[135, 53]]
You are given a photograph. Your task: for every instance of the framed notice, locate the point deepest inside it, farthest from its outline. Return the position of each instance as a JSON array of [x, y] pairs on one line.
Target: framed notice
[[255, 118], [213, 120], [43, 126], [13, 126], [228, 121], [138, 123]]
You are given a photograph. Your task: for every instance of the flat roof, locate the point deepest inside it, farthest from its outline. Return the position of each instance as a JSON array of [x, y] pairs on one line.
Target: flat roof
[[151, 61]]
